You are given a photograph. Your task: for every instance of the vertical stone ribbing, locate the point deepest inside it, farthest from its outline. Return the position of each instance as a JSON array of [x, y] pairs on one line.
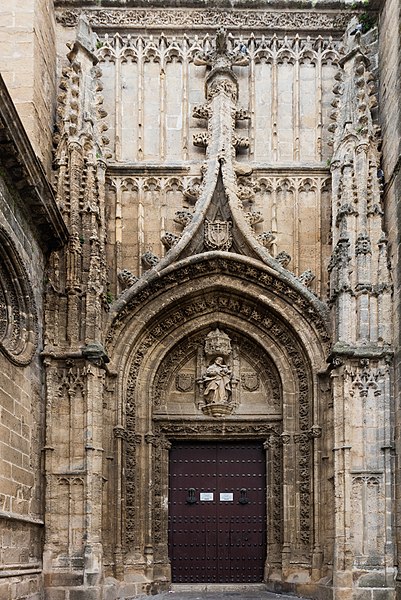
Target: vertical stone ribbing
[[360, 296], [75, 364]]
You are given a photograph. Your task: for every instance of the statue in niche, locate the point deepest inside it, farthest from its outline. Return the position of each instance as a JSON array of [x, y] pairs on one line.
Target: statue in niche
[[217, 382], [217, 375]]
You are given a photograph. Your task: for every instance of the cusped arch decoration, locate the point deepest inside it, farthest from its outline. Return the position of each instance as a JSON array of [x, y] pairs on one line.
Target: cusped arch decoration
[[279, 283], [18, 316]]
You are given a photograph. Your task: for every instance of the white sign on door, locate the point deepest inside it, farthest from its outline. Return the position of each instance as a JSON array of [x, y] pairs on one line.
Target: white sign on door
[[206, 496], [226, 497]]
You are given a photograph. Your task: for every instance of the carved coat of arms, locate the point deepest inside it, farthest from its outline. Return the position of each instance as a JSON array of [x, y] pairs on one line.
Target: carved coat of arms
[[250, 381], [218, 235], [184, 382]]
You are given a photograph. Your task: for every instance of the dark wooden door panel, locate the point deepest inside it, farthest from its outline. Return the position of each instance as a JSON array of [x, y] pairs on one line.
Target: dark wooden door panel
[[217, 518]]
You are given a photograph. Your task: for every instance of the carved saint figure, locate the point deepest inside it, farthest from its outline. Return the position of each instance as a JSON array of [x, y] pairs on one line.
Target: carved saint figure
[[217, 382]]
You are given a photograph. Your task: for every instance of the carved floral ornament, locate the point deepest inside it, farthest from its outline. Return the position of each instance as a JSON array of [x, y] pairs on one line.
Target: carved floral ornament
[[18, 318], [297, 20]]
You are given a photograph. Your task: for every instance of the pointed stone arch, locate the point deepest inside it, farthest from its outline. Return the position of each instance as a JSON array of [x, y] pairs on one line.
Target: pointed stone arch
[[159, 326]]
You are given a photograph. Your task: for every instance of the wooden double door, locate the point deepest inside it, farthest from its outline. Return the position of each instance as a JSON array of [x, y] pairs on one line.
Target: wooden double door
[[217, 512]]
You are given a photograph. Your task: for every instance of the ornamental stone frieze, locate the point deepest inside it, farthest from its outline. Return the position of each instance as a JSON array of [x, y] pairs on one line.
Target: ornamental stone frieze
[[178, 18]]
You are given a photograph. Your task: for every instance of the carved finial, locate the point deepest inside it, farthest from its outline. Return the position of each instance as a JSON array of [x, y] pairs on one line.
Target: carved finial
[[253, 217], [221, 57], [169, 239], [183, 217], [267, 239]]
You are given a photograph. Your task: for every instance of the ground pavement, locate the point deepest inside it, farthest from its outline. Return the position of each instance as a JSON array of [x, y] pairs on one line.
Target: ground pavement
[[215, 592]]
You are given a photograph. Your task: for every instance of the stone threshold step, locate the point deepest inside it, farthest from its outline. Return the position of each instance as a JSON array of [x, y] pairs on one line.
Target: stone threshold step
[[218, 587]]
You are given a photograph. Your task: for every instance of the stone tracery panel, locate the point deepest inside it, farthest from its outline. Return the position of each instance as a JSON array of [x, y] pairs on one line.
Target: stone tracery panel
[[292, 208], [287, 88]]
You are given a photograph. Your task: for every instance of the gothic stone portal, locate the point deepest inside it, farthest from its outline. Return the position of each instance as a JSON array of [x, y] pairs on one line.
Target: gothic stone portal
[[219, 387]]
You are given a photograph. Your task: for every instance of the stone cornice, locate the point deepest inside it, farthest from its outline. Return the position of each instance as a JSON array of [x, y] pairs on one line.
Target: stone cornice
[[25, 172], [146, 169]]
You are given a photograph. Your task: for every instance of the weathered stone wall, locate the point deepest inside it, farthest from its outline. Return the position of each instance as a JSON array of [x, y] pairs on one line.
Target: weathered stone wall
[[21, 428], [30, 226], [28, 64]]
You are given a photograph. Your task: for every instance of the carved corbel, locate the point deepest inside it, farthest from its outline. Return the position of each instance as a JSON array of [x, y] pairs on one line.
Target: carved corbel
[[95, 354]]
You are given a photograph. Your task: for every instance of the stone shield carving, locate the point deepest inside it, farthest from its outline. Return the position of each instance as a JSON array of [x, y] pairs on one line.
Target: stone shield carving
[[218, 235], [184, 382], [250, 381]]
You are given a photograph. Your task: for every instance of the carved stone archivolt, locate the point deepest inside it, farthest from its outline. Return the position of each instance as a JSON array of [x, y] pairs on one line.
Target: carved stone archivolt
[[208, 265], [18, 317], [176, 386]]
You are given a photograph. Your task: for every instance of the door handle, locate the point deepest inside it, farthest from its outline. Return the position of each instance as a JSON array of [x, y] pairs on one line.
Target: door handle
[[243, 499], [191, 499]]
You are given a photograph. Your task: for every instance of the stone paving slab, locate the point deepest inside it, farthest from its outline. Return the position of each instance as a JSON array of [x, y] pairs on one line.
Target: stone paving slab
[[203, 592]]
